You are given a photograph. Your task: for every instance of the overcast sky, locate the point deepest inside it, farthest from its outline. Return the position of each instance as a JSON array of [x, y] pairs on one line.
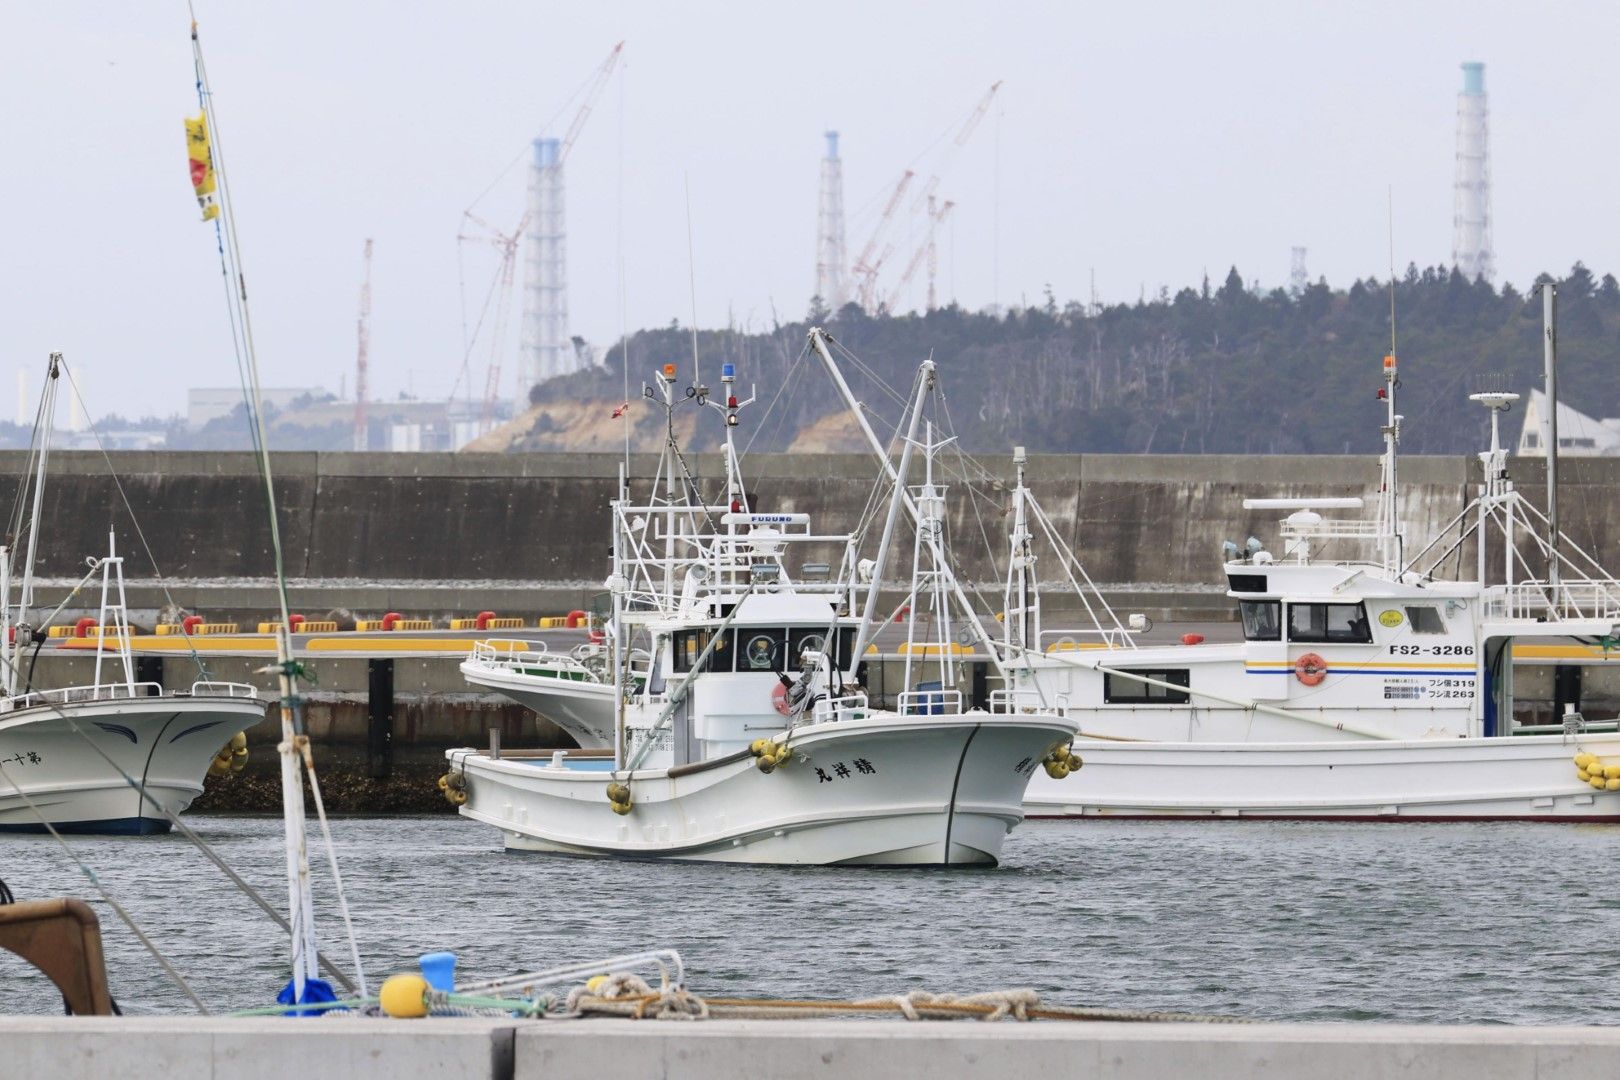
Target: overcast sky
[[1150, 142]]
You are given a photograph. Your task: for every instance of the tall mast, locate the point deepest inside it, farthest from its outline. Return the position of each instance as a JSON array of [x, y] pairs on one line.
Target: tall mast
[[818, 342], [1389, 524], [1549, 333], [1022, 626], [47, 408], [863, 636]]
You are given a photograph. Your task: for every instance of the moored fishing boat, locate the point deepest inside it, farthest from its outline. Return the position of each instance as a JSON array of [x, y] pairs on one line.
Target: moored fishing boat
[[743, 735], [117, 755], [1371, 688]]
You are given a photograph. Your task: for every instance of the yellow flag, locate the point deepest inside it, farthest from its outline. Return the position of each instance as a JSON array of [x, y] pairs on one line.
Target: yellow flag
[[202, 166]]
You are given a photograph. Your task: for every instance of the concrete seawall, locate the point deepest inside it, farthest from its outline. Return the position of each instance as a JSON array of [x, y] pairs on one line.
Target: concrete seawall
[[459, 529], [452, 1049]]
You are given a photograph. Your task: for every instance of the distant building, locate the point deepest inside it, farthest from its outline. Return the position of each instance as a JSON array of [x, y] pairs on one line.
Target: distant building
[[207, 404], [1579, 435]]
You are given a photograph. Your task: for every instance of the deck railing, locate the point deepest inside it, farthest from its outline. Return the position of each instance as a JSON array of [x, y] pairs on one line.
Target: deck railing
[[930, 702], [1025, 701], [1542, 601], [847, 707]]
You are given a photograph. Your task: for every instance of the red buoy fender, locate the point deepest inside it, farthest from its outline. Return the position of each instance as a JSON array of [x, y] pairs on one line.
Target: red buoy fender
[[1310, 669], [779, 699]]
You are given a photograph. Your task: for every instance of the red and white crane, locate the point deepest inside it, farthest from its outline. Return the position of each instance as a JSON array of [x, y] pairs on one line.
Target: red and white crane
[[867, 267], [361, 356]]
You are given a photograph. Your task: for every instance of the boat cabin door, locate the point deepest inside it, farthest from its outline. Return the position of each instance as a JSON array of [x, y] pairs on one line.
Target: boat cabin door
[[1267, 672]]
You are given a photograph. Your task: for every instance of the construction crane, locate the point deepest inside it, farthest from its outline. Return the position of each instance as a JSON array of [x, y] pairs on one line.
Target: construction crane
[[598, 84], [499, 297], [926, 251], [867, 268], [963, 134], [362, 433]]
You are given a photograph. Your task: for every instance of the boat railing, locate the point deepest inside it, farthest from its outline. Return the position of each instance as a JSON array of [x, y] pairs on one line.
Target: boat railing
[[104, 692], [1332, 529], [929, 702], [210, 688], [1024, 701], [1542, 601], [846, 707], [524, 656]]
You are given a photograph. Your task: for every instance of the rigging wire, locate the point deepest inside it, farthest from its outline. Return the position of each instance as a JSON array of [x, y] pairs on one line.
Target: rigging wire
[[73, 386], [226, 235], [106, 895]]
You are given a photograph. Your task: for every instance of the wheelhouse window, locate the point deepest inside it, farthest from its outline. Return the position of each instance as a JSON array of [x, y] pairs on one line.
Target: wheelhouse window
[[1262, 620], [1425, 620], [689, 645], [1247, 582], [761, 649], [1118, 689], [1329, 623]]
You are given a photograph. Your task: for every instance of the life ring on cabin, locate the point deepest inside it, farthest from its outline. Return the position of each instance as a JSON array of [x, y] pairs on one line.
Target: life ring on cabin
[[779, 699], [1310, 669]]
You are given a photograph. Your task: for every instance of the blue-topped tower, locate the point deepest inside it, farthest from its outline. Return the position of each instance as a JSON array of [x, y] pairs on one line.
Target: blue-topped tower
[[1471, 247], [547, 351]]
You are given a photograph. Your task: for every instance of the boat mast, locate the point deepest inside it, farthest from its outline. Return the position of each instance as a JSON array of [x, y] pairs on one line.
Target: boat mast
[[1389, 522], [863, 636], [620, 658], [818, 342], [47, 409], [1549, 333], [1021, 625]]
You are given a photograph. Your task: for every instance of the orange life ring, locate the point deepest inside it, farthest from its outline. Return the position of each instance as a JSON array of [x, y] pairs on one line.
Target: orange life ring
[[779, 699], [1310, 669]]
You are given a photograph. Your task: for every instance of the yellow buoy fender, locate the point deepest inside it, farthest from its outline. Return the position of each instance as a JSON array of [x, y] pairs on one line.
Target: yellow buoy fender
[[404, 996]]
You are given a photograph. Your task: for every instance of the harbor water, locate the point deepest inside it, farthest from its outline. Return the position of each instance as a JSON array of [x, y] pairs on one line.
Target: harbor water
[[1430, 923]]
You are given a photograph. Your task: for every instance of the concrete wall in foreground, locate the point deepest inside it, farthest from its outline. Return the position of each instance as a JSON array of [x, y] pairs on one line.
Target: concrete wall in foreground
[[181, 1048], [543, 517]]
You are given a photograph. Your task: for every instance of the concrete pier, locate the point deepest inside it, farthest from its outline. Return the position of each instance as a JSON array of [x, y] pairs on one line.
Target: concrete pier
[[449, 1049]]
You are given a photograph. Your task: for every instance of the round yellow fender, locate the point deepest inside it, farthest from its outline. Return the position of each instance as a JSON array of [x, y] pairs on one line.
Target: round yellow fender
[[404, 997]]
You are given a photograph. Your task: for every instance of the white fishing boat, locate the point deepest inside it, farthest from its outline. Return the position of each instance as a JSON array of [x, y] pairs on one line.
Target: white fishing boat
[[740, 734], [573, 690], [117, 755], [1368, 688]]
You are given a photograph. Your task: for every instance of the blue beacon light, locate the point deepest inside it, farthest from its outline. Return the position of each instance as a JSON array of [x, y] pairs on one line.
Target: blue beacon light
[[728, 371]]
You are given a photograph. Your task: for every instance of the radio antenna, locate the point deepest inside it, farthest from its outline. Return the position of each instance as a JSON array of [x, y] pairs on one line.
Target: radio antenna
[[1389, 214]]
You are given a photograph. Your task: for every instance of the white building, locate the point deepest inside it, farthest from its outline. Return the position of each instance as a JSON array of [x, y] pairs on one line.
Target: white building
[[209, 403], [1579, 435]]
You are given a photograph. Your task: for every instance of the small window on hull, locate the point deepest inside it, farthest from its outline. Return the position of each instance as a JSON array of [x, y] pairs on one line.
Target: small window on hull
[[1247, 582], [1122, 690], [1425, 620]]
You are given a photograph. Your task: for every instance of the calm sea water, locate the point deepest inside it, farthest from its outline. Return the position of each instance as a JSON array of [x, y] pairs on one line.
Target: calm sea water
[[1428, 923]]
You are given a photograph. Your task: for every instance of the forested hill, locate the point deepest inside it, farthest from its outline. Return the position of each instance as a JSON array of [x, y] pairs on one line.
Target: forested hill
[[1202, 371]]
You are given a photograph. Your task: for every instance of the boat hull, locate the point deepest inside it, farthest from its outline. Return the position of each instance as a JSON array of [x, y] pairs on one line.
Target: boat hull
[[163, 743], [1516, 778], [887, 790]]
